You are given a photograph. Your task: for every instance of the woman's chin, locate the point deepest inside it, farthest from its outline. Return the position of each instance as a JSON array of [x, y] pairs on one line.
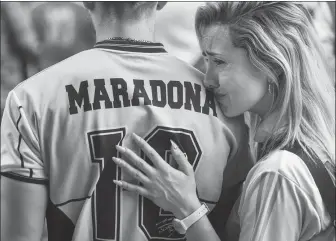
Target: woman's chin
[[228, 112]]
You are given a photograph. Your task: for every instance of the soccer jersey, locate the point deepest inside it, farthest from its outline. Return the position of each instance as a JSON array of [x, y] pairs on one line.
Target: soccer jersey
[[61, 126], [280, 199]]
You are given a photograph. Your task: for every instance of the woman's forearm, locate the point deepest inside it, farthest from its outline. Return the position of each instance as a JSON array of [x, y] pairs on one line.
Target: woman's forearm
[[202, 230]]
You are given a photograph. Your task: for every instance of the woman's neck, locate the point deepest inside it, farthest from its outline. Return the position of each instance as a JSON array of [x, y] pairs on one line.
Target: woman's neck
[[264, 106]]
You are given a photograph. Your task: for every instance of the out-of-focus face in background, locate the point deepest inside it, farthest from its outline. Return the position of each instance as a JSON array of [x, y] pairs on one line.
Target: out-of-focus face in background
[[63, 29]]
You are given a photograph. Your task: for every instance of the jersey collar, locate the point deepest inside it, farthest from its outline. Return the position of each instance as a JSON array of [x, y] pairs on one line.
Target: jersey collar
[[131, 46]]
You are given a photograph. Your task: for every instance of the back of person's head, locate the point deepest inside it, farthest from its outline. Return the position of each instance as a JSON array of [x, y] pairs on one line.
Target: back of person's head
[[122, 9], [281, 42]]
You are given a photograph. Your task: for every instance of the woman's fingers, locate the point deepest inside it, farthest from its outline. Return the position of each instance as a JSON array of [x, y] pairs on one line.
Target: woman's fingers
[[133, 188], [150, 152], [136, 160], [131, 170], [181, 159]]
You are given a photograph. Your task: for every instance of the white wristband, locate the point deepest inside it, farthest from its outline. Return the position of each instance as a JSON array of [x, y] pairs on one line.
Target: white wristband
[[181, 226]]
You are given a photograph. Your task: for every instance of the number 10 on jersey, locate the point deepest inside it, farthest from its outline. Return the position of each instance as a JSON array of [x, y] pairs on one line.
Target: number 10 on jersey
[[154, 222]]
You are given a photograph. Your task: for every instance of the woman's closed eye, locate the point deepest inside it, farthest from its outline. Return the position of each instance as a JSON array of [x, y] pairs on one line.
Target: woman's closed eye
[[219, 62]]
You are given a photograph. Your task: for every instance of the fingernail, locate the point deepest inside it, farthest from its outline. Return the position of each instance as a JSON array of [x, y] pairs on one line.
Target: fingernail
[[121, 149], [119, 183], [116, 160], [173, 145]]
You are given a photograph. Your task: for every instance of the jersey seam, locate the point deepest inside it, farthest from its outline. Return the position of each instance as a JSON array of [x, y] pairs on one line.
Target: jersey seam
[[24, 115], [16, 174], [72, 200], [22, 178]]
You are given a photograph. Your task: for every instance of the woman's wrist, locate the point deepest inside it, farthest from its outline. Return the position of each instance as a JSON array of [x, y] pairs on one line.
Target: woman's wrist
[[187, 209]]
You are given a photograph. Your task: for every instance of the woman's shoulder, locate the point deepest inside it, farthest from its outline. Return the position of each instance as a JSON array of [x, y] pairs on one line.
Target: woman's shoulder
[[286, 165], [284, 175]]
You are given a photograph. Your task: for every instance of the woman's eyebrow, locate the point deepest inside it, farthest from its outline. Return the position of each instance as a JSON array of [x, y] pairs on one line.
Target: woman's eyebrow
[[205, 53]]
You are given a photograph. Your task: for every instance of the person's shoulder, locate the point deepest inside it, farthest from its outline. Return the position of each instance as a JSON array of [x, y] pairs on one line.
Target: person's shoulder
[[182, 66], [69, 68], [280, 161], [286, 165], [285, 172]]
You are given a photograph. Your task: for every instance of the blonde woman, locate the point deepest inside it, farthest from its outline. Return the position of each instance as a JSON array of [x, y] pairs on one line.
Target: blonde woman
[[261, 58]]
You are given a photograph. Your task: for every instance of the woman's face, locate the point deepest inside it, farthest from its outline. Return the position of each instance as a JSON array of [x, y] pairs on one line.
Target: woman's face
[[237, 84]]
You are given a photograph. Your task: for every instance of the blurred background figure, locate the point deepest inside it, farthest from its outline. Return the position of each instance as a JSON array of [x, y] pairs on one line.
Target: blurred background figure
[[19, 46], [63, 29], [323, 18], [36, 35]]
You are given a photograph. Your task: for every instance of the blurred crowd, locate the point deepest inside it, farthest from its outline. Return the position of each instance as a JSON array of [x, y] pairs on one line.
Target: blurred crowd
[[36, 35]]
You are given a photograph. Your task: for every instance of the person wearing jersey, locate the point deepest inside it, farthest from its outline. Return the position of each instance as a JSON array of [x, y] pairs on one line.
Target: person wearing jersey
[[263, 58], [61, 127]]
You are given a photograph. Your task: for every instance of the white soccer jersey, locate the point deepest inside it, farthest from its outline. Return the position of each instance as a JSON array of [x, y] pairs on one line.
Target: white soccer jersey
[[280, 201], [60, 128]]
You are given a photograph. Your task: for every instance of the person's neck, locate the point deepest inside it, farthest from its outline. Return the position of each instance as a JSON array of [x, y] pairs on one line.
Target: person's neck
[[138, 30], [263, 107]]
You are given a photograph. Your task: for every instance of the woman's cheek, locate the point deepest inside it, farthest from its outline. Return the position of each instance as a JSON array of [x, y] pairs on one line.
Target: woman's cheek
[[228, 105], [235, 104]]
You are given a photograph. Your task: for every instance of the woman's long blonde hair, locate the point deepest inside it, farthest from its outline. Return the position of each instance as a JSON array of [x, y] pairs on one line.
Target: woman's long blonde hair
[[280, 40]]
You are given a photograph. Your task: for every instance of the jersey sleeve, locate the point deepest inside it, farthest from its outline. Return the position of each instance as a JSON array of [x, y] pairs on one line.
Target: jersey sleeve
[[20, 150], [273, 208]]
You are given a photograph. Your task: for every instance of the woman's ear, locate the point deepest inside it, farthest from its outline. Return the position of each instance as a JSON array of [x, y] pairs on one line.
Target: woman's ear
[[160, 5]]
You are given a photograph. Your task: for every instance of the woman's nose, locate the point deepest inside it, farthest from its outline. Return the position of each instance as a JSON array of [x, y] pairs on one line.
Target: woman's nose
[[210, 81]]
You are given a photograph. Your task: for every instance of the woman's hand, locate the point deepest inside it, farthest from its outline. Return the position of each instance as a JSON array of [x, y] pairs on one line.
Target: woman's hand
[[172, 189]]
